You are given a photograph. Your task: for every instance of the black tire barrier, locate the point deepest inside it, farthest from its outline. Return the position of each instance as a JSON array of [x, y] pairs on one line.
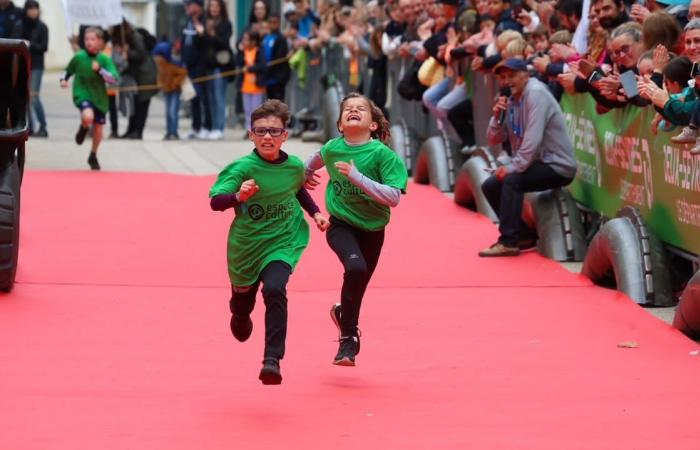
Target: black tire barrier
[[472, 174], [405, 142], [9, 223], [624, 247], [443, 159], [331, 110], [687, 317], [560, 233]]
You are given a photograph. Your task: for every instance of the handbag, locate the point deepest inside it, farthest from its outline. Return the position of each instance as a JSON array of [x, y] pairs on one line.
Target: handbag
[[187, 92], [431, 72]]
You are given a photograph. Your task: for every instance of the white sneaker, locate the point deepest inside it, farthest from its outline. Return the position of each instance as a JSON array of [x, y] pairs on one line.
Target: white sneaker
[[203, 134], [191, 135], [216, 135]]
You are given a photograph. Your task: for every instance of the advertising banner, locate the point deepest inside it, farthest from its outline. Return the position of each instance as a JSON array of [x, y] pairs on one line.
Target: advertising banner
[[621, 162], [93, 12]]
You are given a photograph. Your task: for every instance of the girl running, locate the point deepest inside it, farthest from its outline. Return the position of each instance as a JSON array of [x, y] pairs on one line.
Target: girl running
[[269, 232], [366, 179]]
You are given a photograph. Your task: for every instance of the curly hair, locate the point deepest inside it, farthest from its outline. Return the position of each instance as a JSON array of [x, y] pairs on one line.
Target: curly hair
[[382, 132]]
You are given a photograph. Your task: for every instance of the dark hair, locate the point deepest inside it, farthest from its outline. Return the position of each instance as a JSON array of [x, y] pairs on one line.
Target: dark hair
[[31, 4], [252, 18], [662, 28], [571, 8], [678, 70], [382, 132], [271, 108], [253, 36], [223, 15]]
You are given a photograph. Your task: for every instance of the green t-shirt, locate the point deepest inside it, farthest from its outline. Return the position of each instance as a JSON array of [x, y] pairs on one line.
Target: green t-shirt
[[88, 84], [270, 225], [348, 202]]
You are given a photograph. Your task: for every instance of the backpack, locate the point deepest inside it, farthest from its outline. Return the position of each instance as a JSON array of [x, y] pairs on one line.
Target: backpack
[[149, 40]]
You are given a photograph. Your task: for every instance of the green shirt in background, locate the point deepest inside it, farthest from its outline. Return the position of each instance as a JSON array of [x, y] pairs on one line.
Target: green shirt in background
[[348, 202], [88, 84], [270, 226]]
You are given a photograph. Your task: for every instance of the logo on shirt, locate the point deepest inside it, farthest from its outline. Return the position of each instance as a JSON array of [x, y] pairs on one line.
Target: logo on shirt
[[256, 211], [345, 188]]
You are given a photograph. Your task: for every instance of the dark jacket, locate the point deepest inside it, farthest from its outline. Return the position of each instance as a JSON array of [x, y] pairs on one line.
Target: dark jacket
[[11, 22], [141, 66], [36, 32], [192, 48], [219, 43], [280, 72], [259, 68]]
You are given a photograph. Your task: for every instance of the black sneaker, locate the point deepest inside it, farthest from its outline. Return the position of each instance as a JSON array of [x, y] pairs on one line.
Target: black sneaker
[[42, 133], [241, 328], [80, 135], [336, 312], [347, 351], [270, 372], [92, 161]]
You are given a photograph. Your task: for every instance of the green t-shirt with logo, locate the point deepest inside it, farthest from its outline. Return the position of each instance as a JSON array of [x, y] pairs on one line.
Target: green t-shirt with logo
[[348, 202], [88, 84], [270, 225]]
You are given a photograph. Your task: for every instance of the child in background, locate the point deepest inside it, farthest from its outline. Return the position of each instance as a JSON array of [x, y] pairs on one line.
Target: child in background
[[252, 82], [171, 76], [92, 69], [366, 179]]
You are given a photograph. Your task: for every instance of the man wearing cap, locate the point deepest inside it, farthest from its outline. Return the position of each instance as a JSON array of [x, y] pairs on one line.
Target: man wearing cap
[[543, 156]]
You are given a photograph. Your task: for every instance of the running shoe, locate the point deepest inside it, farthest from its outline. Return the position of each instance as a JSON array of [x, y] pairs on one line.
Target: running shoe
[[241, 327], [270, 372], [347, 351], [80, 135]]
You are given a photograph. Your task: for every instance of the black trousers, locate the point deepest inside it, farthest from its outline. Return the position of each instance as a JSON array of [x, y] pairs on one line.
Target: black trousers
[[137, 122], [358, 251], [506, 198], [274, 278], [113, 114]]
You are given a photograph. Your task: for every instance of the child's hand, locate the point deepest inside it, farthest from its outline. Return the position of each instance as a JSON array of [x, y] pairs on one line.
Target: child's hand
[[95, 66], [64, 84], [247, 190], [321, 221], [312, 181], [345, 168]]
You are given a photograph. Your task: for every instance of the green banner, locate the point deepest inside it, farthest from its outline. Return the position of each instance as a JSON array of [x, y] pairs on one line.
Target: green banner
[[621, 162]]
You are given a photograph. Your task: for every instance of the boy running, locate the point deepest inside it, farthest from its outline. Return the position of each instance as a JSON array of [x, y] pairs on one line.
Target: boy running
[[92, 69], [269, 233]]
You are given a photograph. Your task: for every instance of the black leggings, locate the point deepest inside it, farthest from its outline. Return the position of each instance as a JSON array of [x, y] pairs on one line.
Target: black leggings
[[358, 251], [274, 278]]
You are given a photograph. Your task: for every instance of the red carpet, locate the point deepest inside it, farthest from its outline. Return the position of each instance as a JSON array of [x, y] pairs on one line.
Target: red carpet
[[116, 336]]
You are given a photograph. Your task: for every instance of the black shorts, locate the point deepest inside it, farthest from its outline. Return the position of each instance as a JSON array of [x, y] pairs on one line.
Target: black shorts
[[99, 115]]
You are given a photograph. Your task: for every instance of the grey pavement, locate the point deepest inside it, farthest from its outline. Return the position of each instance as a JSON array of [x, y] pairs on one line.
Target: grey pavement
[[152, 154]]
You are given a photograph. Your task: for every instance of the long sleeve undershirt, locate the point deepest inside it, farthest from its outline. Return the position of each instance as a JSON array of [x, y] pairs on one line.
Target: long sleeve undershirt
[[381, 193]]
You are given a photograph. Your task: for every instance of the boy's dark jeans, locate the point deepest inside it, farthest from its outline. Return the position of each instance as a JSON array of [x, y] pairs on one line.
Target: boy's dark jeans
[[358, 251], [274, 278], [506, 197]]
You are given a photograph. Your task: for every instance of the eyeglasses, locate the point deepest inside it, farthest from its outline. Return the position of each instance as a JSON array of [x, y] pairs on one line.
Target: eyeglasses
[[262, 131]]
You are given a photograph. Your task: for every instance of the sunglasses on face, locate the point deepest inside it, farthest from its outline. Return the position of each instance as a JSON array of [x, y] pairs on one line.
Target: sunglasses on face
[[262, 131]]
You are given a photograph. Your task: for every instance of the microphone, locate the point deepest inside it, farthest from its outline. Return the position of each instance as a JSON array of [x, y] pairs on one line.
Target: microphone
[[505, 92]]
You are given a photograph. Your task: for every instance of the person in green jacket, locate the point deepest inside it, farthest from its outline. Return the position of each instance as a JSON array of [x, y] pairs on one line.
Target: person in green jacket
[[92, 69], [269, 233], [367, 179]]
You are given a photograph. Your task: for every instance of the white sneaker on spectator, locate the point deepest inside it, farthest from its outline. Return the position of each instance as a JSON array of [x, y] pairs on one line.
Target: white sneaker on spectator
[[191, 135], [696, 148], [687, 136], [203, 134], [216, 135]]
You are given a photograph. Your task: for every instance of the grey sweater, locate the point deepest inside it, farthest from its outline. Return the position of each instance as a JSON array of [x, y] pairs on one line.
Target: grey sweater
[[536, 129]]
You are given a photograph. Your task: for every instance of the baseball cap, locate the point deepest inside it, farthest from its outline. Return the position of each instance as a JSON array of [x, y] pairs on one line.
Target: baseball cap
[[514, 64]]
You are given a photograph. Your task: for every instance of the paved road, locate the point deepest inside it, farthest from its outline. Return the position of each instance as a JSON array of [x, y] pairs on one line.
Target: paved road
[[152, 154]]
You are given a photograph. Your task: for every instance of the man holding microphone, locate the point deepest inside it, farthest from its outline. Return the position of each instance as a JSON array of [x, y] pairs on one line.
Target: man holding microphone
[[542, 157]]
